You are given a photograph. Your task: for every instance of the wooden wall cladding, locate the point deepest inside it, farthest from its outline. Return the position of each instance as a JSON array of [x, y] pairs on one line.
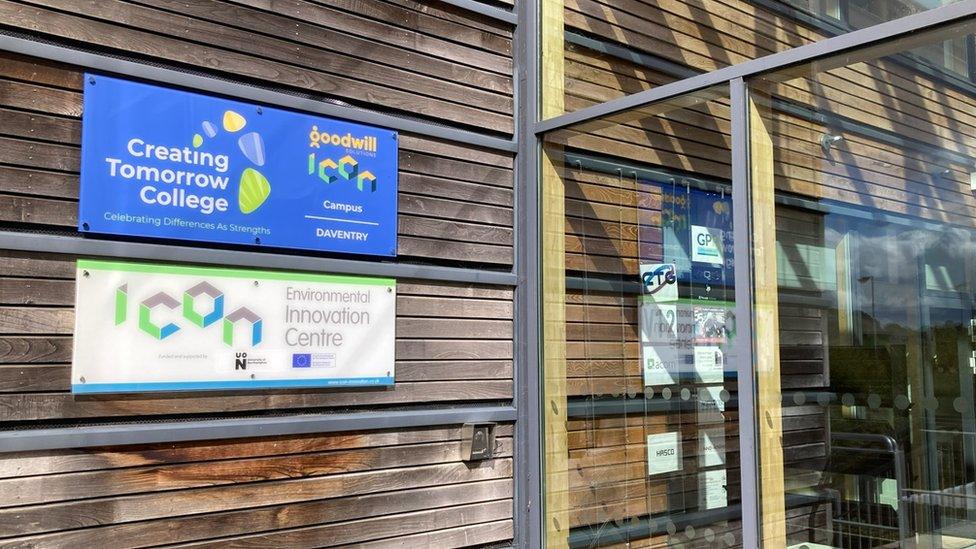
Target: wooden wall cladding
[[455, 202], [454, 344], [421, 58], [378, 488]]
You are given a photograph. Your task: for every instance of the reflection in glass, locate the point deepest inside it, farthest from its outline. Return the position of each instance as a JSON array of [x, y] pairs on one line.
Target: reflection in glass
[[639, 277], [872, 164]]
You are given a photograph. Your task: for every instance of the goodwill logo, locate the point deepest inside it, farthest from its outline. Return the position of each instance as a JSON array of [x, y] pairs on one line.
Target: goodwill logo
[[165, 163]]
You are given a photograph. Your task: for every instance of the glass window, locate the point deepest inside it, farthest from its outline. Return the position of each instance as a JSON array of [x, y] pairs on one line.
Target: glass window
[[863, 181], [950, 57], [640, 376]]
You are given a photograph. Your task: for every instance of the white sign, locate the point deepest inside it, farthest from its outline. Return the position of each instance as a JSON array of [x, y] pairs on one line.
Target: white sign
[[712, 489], [145, 327], [708, 364], [662, 364], [710, 404], [659, 282], [707, 244], [663, 453], [711, 446], [666, 326]]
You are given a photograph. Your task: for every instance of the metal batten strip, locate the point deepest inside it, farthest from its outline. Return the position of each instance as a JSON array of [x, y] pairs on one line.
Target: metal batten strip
[[883, 32], [34, 242], [104, 63], [643, 59], [480, 8], [217, 429], [744, 363], [528, 498]]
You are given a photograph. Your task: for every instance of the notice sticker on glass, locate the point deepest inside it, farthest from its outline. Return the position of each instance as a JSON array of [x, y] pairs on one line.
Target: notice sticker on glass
[[710, 325], [710, 404], [663, 453], [662, 365], [659, 282], [659, 323], [712, 489], [709, 364], [707, 244], [711, 446]]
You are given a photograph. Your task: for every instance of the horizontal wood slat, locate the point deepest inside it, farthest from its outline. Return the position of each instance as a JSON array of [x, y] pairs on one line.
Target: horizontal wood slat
[[304, 53], [356, 487]]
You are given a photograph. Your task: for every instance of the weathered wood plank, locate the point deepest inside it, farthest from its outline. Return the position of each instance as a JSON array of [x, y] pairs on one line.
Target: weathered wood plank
[[30, 378], [38, 182], [38, 71], [26, 291], [140, 507], [47, 462], [478, 534], [372, 528], [457, 308], [443, 229], [32, 349], [386, 31], [453, 328], [39, 98], [298, 514], [109, 34], [114, 482], [456, 251], [35, 321]]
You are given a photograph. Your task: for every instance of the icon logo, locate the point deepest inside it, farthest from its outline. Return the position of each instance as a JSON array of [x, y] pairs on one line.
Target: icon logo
[[246, 315], [190, 311], [346, 168], [145, 316], [189, 304]]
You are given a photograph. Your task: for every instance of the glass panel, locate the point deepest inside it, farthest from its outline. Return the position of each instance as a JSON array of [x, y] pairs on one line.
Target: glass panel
[[863, 178], [640, 378], [598, 50], [948, 59]]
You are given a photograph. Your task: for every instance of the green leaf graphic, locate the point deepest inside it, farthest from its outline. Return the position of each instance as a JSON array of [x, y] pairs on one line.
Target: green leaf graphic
[[252, 191]]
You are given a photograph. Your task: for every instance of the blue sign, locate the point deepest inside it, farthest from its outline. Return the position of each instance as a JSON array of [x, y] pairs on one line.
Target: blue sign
[[698, 225], [163, 163]]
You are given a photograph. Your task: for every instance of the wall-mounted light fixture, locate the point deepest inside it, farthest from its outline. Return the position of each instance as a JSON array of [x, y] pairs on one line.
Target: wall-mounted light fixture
[[828, 140], [941, 173]]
